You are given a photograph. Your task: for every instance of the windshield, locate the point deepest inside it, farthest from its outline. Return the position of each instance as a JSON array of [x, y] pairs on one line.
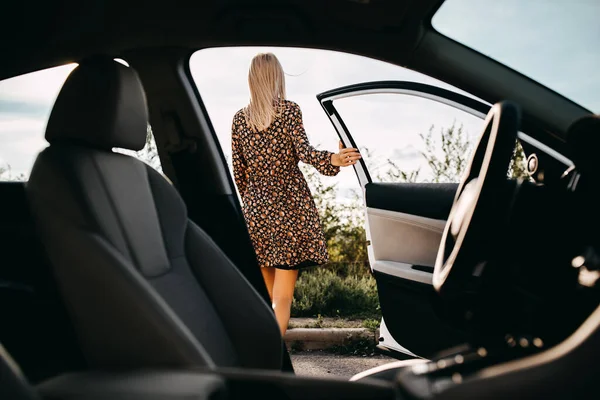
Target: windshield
[[554, 42]]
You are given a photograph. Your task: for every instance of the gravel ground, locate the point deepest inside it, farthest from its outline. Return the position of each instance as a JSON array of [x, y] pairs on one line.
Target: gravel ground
[[317, 363]]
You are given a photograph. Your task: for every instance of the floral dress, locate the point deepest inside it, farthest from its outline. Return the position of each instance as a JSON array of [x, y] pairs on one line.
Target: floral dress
[[279, 209]]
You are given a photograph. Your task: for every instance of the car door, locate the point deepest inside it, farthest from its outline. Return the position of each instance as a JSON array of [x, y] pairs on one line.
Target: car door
[[405, 217]]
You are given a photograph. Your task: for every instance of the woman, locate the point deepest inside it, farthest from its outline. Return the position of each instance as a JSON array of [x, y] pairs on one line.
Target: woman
[[268, 140]]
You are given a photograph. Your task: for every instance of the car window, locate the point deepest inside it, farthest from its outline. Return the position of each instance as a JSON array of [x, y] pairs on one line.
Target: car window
[[552, 42], [25, 105], [418, 140], [405, 138]]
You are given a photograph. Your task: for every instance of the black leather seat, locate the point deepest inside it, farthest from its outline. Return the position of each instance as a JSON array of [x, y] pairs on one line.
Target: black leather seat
[[35, 327], [13, 384], [143, 284]]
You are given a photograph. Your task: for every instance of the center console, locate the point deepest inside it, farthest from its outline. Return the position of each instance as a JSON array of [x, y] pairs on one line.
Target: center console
[[451, 368]]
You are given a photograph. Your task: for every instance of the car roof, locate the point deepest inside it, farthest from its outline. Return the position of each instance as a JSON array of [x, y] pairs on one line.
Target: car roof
[[38, 36]]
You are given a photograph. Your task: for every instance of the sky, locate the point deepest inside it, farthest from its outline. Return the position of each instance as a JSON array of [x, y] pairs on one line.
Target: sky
[[25, 104], [553, 41], [557, 42]]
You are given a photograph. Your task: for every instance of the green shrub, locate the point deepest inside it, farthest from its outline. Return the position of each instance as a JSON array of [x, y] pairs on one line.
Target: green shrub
[[320, 291], [371, 324]]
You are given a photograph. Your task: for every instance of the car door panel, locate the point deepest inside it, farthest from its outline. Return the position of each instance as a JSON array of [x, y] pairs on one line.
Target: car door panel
[[404, 225], [405, 222], [418, 326], [406, 237], [429, 200]]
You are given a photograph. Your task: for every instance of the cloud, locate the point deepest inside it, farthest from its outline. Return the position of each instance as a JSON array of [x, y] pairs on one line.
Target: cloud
[[409, 152], [553, 42], [25, 104], [21, 139], [24, 108], [40, 86]]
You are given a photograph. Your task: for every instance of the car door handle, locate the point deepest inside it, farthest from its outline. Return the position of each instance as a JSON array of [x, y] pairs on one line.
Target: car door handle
[[423, 268]]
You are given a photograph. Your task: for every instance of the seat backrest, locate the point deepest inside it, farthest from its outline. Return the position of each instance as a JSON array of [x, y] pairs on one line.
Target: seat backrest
[[35, 327], [144, 285], [12, 382]]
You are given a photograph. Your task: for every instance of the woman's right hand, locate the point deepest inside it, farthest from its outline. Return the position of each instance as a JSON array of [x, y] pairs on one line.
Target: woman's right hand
[[346, 156]]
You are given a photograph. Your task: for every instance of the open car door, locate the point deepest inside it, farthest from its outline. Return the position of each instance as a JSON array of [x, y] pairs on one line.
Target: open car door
[[395, 124]]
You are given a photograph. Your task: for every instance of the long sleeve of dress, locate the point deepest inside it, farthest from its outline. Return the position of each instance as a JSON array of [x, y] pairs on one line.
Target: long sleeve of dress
[[320, 159], [239, 163]]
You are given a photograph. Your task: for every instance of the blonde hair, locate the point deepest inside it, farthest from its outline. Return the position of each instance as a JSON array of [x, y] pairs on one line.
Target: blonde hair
[[267, 90]]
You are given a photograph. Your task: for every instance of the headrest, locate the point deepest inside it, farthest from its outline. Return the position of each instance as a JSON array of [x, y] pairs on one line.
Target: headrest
[[583, 139], [102, 104]]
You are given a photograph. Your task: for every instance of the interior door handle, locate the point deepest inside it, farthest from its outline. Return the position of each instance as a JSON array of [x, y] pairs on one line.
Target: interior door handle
[[423, 268]]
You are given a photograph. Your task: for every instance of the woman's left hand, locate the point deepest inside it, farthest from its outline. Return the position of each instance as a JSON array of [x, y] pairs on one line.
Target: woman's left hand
[[346, 157]]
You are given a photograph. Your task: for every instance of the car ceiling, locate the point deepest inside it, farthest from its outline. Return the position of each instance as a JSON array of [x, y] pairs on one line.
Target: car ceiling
[[72, 29], [36, 36]]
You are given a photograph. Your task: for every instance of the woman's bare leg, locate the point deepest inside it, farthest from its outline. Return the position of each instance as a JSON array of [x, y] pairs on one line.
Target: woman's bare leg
[[269, 277], [283, 293]]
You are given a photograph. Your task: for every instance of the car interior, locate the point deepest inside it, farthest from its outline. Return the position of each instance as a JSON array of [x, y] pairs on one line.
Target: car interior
[[118, 283]]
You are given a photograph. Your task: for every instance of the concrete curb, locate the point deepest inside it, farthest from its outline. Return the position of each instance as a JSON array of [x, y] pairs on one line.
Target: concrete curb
[[324, 338]]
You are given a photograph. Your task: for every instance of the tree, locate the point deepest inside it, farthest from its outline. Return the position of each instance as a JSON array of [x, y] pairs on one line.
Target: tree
[[7, 176], [518, 164], [149, 154], [455, 149], [446, 156]]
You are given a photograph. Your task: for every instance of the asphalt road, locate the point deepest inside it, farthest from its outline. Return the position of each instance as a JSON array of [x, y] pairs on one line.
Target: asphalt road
[[316, 363]]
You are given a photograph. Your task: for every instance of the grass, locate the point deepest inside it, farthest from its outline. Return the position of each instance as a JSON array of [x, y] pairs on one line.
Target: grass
[[371, 324], [323, 292], [327, 322]]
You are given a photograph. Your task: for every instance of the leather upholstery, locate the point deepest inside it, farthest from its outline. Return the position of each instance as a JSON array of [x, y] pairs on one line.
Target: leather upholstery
[[102, 104], [583, 138], [12, 383], [164, 385], [35, 328], [144, 285]]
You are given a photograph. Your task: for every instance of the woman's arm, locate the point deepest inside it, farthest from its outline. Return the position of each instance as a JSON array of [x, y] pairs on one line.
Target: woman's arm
[[326, 162], [239, 162]]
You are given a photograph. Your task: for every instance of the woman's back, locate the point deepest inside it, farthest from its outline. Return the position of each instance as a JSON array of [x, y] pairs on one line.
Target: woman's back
[[283, 221], [269, 153], [273, 154]]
